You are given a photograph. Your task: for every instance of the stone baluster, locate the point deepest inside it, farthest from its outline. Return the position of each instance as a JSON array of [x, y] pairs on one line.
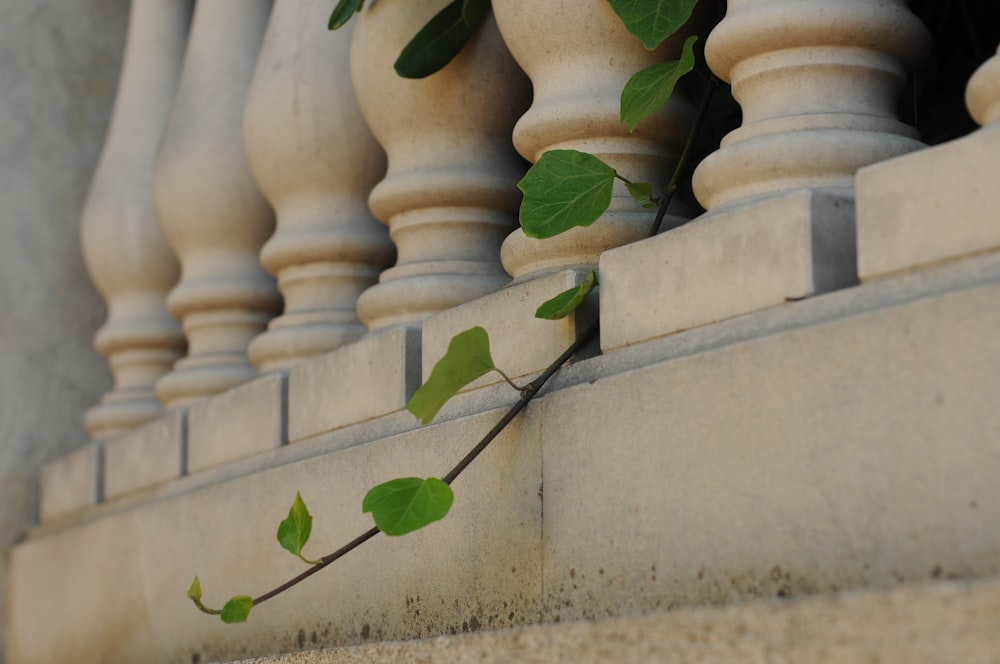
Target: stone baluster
[[209, 207], [449, 196], [576, 106], [982, 95], [124, 249], [315, 161]]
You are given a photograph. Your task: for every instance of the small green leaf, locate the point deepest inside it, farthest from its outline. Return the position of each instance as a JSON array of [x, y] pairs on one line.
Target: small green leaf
[[641, 192], [406, 504], [194, 592], [468, 357], [565, 303], [649, 88], [652, 21], [343, 12], [237, 609], [474, 11], [293, 532], [564, 189], [440, 40]]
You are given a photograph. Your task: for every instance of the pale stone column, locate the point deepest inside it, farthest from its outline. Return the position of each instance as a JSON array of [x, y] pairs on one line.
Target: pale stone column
[[818, 83], [209, 207], [316, 162], [449, 196], [579, 57], [125, 252]]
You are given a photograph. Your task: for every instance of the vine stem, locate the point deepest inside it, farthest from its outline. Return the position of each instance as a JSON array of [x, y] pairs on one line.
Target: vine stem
[[527, 394]]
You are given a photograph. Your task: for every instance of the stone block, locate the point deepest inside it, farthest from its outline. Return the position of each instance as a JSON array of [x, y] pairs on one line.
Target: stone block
[[238, 423], [930, 206], [373, 376], [520, 344], [152, 454], [71, 482], [727, 263]]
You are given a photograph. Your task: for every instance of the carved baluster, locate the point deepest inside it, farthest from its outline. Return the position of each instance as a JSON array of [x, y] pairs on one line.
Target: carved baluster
[[125, 252], [316, 162], [579, 57], [209, 207], [449, 196]]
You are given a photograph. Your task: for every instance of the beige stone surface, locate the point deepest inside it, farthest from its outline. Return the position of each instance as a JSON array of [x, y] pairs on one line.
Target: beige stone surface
[[925, 624], [519, 343], [727, 263], [70, 482], [152, 454], [935, 205], [241, 422], [373, 376]]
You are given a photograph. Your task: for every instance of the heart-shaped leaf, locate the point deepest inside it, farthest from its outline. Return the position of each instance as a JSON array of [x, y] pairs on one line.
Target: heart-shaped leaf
[[467, 358], [649, 88], [237, 609], [641, 192], [652, 21], [406, 504], [565, 303], [294, 531], [564, 189], [343, 12], [194, 592], [441, 39]]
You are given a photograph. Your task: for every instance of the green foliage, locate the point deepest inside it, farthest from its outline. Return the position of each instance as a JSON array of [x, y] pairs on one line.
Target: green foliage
[[467, 358], [237, 609], [642, 193], [441, 39], [406, 504], [564, 189], [652, 21], [343, 12], [294, 531], [565, 303], [194, 592], [649, 88]]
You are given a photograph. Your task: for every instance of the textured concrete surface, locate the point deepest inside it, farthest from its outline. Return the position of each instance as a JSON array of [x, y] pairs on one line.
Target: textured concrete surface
[[71, 482], [239, 423], [726, 263], [926, 624], [152, 454], [58, 70]]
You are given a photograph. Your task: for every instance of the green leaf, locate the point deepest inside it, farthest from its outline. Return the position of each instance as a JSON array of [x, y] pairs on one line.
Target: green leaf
[[406, 504], [194, 592], [564, 189], [649, 88], [468, 357], [440, 40], [641, 192], [237, 609], [565, 303], [652, 21], [474, 11], [343, 12], [293, 532]]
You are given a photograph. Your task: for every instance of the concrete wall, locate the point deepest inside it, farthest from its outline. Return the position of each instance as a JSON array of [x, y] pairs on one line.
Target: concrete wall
[[59, 66]]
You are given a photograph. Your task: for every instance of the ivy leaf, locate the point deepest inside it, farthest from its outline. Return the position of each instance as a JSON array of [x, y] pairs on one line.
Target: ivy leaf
[[649, 88], [641, 192], [565, 303], [468, 357], [406, 504], [564, 189], [237, 609], [293, 532], [343, 12], [441, 39], [652, 21], [194, 592]]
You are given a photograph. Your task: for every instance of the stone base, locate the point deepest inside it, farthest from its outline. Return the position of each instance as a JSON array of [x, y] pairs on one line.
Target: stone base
[[931, 206], [727, 263], [150, 455], [71, 482]]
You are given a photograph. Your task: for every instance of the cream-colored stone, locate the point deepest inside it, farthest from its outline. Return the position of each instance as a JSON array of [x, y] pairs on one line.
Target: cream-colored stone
[[112, 590], [126, 254], [579, 57], [938, 204], [372, 377], [315, 161], [519, 343], [71, 482], [449, 196], [727, 263], [241, 422], [925, 624], [146, 456], [209, 207]]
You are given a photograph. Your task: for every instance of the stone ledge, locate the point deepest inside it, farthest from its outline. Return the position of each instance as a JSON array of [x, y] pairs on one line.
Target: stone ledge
[[71, 483], [152, 454]]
